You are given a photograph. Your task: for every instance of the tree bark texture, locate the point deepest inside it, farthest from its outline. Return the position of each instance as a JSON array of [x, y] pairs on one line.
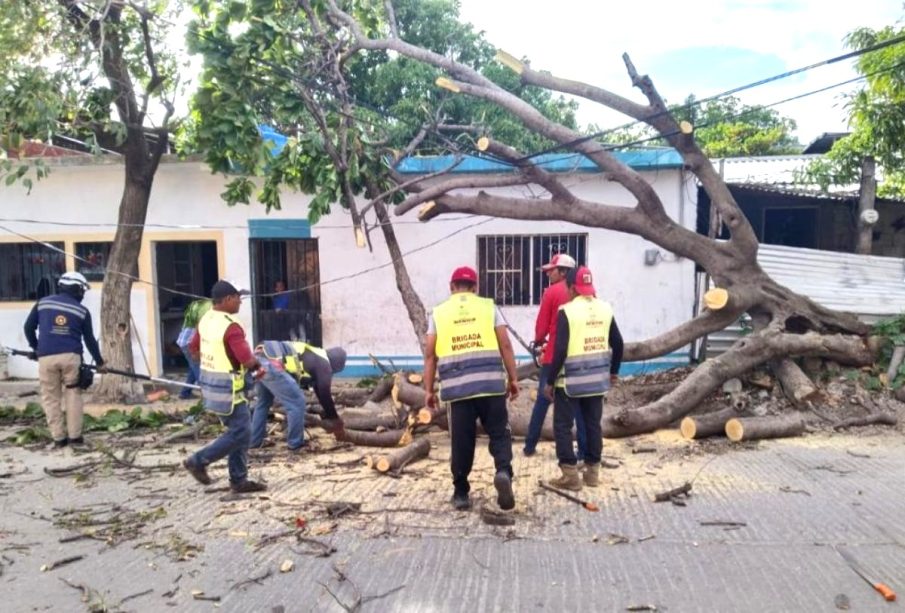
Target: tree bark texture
[[394, 460], [795, 384], [389, 438], [753, 428], [866, 201], [702, 426]]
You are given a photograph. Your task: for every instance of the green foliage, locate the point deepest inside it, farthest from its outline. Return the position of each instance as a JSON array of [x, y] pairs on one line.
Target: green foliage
[[727, 128], [262, 61], [31, 412], [876, 116], [53, 82], [117, 421], [30, 435], [892, 329]]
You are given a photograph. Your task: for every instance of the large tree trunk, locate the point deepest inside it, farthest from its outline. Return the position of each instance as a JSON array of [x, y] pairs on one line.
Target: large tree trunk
[[407, 292], [141, 162], [116, 312]]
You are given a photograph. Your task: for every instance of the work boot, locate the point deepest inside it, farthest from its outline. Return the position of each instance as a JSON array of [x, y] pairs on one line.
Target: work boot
[[247, 487], [199, 472], [59, 444], [460, 502], [504, 496], [592, 475], [570, 479]]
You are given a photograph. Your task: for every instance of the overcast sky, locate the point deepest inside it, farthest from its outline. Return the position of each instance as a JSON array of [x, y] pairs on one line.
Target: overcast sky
[[693, 46]]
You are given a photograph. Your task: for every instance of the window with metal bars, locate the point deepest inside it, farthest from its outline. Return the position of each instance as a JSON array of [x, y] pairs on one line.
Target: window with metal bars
[[30, 271], [509, 265], [91, 259]]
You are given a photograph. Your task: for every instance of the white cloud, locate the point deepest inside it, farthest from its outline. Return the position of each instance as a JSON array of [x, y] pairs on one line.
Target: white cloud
[[585, 40]]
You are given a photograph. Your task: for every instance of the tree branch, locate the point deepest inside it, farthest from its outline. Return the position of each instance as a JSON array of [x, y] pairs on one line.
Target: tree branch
[[538, 175], [469, 182]]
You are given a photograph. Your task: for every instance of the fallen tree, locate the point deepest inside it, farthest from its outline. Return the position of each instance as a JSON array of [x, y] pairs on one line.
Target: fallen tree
[[786, 324], [340, 55]]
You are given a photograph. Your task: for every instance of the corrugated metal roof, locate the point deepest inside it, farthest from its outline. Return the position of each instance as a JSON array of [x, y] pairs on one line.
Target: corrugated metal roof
[[872, 287]]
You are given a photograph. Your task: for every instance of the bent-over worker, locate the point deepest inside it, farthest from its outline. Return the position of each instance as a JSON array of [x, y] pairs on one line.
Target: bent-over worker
[[287, 366]]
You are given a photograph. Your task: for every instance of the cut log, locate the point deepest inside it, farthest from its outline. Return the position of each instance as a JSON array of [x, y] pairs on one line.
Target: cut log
[[414, 378], [389, 438], [898, 355], [754, 428], [883, 419], [351, 396], [526, 370], [368, 409], [388, 421], [520, 419], [395, 460], [406, 393], [702, 426], [795, 384], [381, 391]]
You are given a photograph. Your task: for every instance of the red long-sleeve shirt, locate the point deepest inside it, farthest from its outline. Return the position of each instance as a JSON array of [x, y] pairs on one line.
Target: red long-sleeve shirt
[[545, 327], [237, 349]]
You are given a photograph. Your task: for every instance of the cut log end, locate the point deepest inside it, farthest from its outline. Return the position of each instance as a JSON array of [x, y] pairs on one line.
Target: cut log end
[[383, 464], [735, 430], [425, 416], [688, 428], [753, 428]]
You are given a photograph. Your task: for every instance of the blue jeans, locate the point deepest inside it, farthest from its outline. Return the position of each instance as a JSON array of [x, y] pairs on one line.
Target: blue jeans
[[193, 374], [276, 382], [539, 414], [232, 443]]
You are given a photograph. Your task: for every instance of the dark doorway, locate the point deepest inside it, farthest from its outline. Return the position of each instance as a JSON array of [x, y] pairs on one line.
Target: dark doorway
[[793, 227], [295, 313], [183, 267]]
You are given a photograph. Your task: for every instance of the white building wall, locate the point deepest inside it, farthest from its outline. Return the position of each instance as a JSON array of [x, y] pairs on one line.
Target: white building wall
[[362, 312]]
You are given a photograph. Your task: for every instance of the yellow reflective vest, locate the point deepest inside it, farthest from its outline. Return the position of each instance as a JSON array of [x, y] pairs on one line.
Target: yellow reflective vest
[[290, 354], [221, 384], [586, 370], [469, 364]]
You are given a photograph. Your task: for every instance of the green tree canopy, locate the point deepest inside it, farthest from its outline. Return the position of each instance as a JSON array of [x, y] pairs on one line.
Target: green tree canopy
[[724, 127], [876, 117], [264, 64]]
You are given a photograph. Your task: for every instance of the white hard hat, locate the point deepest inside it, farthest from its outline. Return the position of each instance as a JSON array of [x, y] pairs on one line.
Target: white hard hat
[[74, 278]]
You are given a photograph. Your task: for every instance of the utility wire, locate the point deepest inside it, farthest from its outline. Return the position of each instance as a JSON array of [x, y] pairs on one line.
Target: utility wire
[[852, 54], [259, 295]]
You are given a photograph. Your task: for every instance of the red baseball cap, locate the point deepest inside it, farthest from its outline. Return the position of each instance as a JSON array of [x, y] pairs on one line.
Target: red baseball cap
[[584, 282], [560, 260], [464, 273]]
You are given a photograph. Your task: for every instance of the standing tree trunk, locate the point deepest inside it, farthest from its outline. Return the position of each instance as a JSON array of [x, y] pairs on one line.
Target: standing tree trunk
[[141, 162], [116, 318], [410, 297], [866, 203]]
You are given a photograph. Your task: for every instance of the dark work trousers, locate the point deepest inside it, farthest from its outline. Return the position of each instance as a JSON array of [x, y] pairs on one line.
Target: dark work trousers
[[491, 410], [564, 410]]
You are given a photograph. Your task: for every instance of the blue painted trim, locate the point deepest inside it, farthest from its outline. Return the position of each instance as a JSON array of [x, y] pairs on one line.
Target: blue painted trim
[[554, 162], [361, 366], [639, 159], [279, 228]]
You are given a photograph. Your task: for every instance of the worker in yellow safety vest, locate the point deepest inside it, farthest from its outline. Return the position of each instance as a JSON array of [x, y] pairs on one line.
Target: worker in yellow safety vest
[[225, 358], [586, 362], [288, 366], [467, 345]]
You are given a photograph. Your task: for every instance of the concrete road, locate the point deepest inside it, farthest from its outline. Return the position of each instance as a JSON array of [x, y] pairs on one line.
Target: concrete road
[[153, 540]]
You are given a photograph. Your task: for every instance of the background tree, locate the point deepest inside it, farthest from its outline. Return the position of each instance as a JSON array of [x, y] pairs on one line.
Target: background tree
[[284, 65], [876, 115], [66, 66], [723, 127]]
